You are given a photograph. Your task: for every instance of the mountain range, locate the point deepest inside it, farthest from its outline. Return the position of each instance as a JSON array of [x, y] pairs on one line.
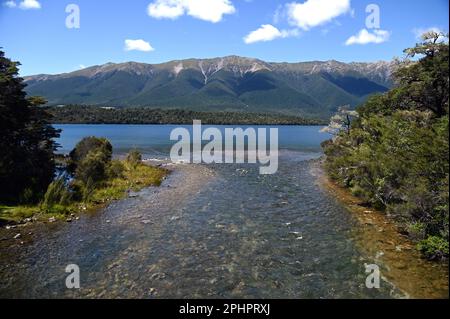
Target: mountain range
[[230, 83]]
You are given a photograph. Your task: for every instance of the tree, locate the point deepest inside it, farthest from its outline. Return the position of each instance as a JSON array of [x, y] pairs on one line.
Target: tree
[[27, 140], [342, 120], [424, 85]]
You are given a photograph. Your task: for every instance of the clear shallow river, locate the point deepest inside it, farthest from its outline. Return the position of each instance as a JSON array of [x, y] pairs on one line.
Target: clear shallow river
[[208, 231]]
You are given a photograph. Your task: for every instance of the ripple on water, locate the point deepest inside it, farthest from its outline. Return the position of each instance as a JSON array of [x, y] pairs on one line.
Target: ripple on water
[[218, 231]]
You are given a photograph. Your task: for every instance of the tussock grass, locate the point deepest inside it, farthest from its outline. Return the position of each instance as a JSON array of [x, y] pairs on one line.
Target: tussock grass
[[135, 177]]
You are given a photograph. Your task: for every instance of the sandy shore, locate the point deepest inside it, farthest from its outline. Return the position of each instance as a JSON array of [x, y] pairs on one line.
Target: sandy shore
[[399, 260]]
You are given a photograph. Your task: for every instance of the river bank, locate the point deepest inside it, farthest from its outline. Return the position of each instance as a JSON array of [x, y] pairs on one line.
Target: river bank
[[399, 260], [220, 231], [105, 244], [131, 180]]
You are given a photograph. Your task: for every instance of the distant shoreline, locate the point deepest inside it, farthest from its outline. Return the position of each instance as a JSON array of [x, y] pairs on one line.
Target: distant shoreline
[[80, 114], [185, 124]]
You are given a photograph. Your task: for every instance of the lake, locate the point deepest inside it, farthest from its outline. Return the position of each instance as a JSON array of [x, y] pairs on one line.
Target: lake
[[153, 140]]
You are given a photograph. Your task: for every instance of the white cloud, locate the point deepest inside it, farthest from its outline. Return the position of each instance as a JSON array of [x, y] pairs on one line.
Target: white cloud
[[10, 4], [169, 9], [29, 4], [138, 45], [313, 13], [268, 32], [24, 5], [82, 66], [207, 10], [365, 37]]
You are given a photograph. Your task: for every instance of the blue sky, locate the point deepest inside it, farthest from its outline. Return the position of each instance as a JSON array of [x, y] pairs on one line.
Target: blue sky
[[35, 32]]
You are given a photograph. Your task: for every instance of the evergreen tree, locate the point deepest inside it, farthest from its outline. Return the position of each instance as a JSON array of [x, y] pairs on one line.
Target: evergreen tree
[[27, 140]]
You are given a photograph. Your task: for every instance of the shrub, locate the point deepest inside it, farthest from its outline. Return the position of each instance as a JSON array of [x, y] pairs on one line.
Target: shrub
[[115, 169], [57, 193], [134, 158], [434, 247], [394, 155], [101, 146], [88, 190], [92, 167]]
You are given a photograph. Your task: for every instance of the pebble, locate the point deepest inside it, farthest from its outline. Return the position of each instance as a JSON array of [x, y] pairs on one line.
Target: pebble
[[146, 221], [17, 236], [52, 220], [379, 254], [158, 276]]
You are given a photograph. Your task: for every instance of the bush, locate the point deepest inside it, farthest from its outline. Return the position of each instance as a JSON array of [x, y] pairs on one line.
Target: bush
[[92, 167], [115, 169], [434, 247], [88, 190], [134, 158], [394, 155], [57, 193], [101, 146]]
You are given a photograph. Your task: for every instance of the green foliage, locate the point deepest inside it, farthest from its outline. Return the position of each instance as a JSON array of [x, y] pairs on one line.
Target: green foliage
[[96, 177], [101, 147], [434, 247], [77, 114], [396, 154], [341, 121], [27, 140], [57, 193], [92, 168], [115, 169], [134, 158], [88, 189]]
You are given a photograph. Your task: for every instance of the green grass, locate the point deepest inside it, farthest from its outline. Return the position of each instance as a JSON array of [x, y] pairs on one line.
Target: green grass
[[134, 179], [17, 213]]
